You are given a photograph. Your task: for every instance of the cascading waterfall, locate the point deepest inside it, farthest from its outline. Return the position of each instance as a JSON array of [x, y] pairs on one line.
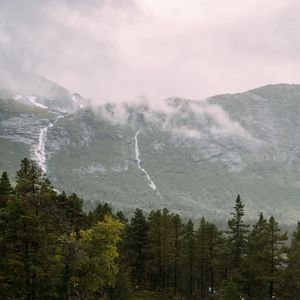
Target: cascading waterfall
[[39, 151], [137, 156]]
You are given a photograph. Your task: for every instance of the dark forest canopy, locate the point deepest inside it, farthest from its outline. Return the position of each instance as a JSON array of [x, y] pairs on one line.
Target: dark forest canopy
[[50, 248]]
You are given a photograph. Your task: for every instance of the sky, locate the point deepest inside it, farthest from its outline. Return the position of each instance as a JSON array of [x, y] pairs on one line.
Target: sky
[[117, 50]]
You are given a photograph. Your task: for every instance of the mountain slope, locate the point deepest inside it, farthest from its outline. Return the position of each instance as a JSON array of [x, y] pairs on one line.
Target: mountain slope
[[192, 157]]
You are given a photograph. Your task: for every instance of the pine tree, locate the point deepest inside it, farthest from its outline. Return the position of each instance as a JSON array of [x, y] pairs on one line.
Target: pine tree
[[178, 227], [5, 189], [237, 233], [256, 265], [32, 213], [293, 270], [188, 258], [28, 253], [99, 213], [209, 243], [29, 178], [202, 245], [136, 245], [277, 256], [160, 249], [167, 248], [231, 290]]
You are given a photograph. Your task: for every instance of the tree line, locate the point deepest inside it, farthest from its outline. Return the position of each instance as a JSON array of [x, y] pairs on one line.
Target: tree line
[[50, 248]]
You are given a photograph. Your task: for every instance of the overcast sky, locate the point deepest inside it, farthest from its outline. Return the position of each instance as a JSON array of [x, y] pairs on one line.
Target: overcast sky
[[114, 49]]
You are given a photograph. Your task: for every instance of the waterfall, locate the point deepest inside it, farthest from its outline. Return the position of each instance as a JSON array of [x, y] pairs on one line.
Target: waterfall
[[138, 160], [40, 151]]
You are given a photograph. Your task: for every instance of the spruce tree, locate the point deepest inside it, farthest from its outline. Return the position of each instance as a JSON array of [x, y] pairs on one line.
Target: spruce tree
[[5, 189], [189, 258], [293, 270], [99, 213], [230, 291], [154, 251], [237, 233], [256, 265], [137, 242], [277, 256], [203, 258], [29, 178], [209, 250], [178, 227], [161, 248]]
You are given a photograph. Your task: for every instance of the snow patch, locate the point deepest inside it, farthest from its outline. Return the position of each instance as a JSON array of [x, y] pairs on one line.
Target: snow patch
[[18, 97], [32, 99], [76, 101]]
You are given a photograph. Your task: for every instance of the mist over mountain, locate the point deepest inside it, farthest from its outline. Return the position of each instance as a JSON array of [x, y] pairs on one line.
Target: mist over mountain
[[192, 157]]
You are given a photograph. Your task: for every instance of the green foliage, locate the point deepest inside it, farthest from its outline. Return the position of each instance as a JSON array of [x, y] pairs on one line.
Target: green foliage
[[237, 234], [231, 290], [292, 278], [6, 189], [189, 258], [136, 245], [51, 249], [97, 256]]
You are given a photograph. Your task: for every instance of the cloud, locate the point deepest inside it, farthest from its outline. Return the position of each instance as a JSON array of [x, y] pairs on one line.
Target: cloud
[[117, 49]]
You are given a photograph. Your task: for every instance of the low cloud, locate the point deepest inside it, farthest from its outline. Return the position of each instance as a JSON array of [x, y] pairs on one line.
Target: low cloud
[[116, 49]]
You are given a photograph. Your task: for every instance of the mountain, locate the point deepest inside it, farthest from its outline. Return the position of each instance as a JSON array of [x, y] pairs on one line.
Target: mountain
[[34, 90], [192, 157]]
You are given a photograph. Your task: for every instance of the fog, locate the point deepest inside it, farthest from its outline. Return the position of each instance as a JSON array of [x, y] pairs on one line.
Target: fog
[[117, 50]]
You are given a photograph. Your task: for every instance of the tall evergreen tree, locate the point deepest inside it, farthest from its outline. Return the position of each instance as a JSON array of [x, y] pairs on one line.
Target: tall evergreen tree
[[5, 189], [154, 251], [99, 213], [277, 256], [256, 265], [237, 233], [188, 258], [178, 227], [29, 177], [231, 291], [137, 241], [209, 243], [160, 250], [293, 270]]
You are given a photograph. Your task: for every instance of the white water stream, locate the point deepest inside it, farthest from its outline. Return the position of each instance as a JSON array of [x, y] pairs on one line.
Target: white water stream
[[138, 160], [40, 152]]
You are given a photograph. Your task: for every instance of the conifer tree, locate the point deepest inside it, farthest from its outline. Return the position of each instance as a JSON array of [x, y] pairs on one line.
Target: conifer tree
[[293, 270], [237, 233], [188, 258], [167, 248], [99, 213], [231, 290], [277, 256], [5, 189], [160, 250], [203, 257], [137, 241], [209, 243], [154, 251], [178, 227], [29, 178], [256, 265]]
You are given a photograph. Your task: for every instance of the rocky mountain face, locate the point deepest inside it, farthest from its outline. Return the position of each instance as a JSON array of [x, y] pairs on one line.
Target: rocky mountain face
[[192, 157]]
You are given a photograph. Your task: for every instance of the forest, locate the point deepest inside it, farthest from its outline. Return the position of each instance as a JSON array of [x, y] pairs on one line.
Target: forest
[[51, 248]]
